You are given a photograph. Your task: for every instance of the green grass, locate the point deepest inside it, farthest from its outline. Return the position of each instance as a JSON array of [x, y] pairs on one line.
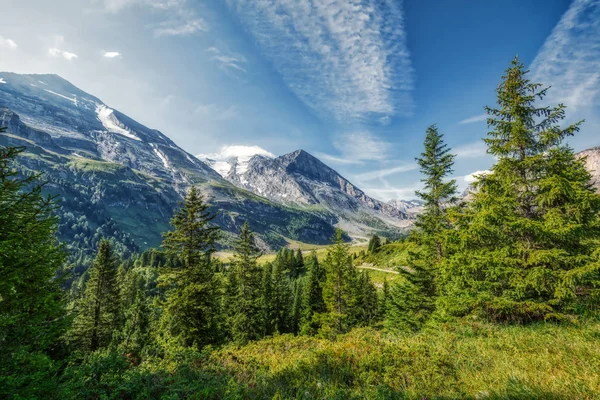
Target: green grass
[[88, 165], [461, 360], [389, 256], [467, 360]]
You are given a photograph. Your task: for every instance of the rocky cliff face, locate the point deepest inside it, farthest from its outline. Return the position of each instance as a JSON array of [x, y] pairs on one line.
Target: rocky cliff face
[[302, 180], [592, 164]]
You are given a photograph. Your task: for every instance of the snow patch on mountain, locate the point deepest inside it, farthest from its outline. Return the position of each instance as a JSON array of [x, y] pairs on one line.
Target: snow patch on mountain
[[111, 123], [233, 159], [2, 80], [160, 155], [74, 100]]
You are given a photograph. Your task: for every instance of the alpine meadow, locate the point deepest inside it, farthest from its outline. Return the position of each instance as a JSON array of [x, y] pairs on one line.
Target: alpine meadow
[[467, 266]]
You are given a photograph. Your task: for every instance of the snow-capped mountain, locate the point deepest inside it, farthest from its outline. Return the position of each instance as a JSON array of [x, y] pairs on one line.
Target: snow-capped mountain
[[302, 180], [233, 160], [108, 167]]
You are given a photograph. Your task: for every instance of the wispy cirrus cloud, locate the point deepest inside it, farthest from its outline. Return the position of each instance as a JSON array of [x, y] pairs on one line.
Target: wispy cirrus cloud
[[346, 59], [55, 52], [569, 60], [473, 119], [227, 60], [7, 43], [180, 16], [381, 173], [471, 150]]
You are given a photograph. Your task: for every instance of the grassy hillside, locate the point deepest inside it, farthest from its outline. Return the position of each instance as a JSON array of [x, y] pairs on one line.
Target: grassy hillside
[[466, 360]]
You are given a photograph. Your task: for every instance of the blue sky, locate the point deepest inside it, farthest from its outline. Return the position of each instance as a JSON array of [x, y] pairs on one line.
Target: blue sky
[[354, 82]]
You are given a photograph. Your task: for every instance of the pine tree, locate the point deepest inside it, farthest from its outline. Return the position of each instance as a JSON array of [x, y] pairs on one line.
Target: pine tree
[[191, 307], [246, 311], [313, 304], [413, 299], [281, 301], [339, 289], [267, 300], [299, 261], [296, 312], [368, 304], [523, 248], [374, 244], [98, 309], [32, 307], [384, 298]]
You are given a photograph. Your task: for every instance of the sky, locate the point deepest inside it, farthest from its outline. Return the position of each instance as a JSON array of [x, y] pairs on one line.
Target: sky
[[354, 82]]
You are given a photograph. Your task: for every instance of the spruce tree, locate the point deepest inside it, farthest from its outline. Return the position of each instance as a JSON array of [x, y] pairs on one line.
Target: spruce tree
[[384, 297], [191, 308], [313, 305], [267, 300], [374, 244], [368, 304], [523, 248], [32, 307], [412, 300], [246, 311], [98, 309], [296, 311], [339, 290], [281, 301]]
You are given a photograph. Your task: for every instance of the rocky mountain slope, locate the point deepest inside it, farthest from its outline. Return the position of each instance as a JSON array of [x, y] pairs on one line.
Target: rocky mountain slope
[[123, 178], [592, 164], [301, 180]]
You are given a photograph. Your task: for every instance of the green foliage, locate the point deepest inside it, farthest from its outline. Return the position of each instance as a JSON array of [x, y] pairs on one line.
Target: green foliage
[[313, 305], [191, 308], [374, 244], [412, 299], [524, 246], [98, 312], [32, 309], [339, 291], [244, 303]]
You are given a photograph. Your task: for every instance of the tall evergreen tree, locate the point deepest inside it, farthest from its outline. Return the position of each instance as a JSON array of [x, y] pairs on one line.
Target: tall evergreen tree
[[296, 311], [246, 312], [32, 307], [338, 291], [267, 300], [281, 301], [523, 248], [367, 306], [98, 309], [313, 305], [384, 298], [413, 299], [191, 308], [374, 244]]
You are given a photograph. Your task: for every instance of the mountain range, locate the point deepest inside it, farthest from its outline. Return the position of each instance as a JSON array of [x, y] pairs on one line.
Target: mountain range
[[117, 177]]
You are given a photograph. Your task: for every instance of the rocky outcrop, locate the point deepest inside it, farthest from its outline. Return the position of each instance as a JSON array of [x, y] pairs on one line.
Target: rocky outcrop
[[592, 164]]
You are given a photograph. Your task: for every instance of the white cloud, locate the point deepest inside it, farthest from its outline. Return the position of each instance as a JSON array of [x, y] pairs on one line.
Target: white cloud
[[473, 176], [8, 43], [336, 160], [347, 59], [471, 150], [54, 52], [380, 173], [112, 54], [180, 27], [227, 60], [389, 192], [569, 60], [473, 119], [240, 151], [215, 112], [360, 146]]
